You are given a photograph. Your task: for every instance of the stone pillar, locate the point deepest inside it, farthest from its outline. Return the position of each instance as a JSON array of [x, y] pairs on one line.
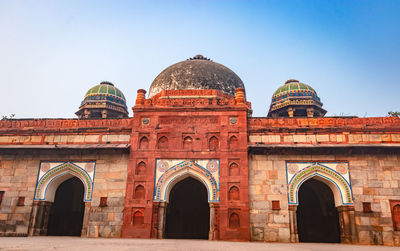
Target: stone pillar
[[141, 96], [290, 111], [39, 218], [347, 224], [240, 96], [86, 113], [85, 223], [104, 113], [294, 236], [32, 220], [212, 222], [310, 112], [162, 210], [352, 222]]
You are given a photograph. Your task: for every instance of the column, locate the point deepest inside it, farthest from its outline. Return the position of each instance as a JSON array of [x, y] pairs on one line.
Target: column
[[294, 236], [85, 223], [347, 224], [161, 220], [212, 222]]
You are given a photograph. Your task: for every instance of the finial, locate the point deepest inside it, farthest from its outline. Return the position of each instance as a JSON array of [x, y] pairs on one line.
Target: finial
[[292, 81], [106, 83]]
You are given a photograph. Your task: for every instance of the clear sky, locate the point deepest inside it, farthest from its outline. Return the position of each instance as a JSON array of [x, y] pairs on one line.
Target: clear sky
[[52, 52]]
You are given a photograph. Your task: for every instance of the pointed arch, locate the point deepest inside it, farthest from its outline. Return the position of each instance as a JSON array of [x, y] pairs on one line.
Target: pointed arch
[[47, 185], [213, 143], [234, 193], [140, 192], [233, 142], [138, 218], [163, 142], [141, 168], [233, 169], [234, 220], [188, 143], [143, 143], [181, 171], [340, 187]]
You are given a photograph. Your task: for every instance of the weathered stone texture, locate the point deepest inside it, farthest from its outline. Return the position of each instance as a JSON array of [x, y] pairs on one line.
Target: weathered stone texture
[[18, 174], [374, 176], [267, 182]]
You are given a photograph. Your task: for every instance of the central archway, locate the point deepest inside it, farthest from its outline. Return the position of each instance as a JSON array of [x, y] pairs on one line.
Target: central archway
[[188, 211], [66, 213], [317, 216]]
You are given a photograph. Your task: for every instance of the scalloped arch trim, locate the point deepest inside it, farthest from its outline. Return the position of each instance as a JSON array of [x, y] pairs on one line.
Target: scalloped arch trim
[[59, 172], [337, 183], [181, 171]]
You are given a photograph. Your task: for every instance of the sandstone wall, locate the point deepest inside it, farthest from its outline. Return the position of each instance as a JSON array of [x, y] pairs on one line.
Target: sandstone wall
[[18, 174], [375, 178]]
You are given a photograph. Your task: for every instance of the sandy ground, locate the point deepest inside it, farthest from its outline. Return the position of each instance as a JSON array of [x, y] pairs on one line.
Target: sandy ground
[[99, 244]]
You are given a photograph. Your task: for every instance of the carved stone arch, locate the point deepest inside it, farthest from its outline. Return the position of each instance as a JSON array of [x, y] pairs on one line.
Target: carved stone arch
[[140, 192], [233, 142], [233, 169], [188, 143], [181, 172], [340, 187], [213, 143], [162, 142], [143, 143], [138, 218], [141, 168], [234, 193], [47, 185], [234, 220]]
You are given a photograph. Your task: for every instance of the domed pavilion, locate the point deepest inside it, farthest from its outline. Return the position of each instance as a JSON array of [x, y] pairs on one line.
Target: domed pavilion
[[103, 101], [295, 99]]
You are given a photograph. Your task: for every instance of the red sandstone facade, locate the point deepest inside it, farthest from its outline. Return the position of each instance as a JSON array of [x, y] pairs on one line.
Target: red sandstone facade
[[211, 125], [215, 127]]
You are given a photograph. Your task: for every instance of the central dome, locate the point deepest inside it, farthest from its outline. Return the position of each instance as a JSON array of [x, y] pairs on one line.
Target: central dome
[[196, 73]]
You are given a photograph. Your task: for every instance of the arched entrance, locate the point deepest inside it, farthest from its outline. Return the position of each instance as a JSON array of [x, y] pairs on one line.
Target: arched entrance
[[67, 211], [188, 211], [317, 216]]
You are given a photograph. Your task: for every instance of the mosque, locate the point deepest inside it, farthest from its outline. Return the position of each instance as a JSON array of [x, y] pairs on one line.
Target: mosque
[[194, 163]]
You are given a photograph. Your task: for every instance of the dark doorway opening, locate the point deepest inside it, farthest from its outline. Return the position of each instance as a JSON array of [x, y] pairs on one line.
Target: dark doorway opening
[[66, 213], [188, 212], [317, 217]]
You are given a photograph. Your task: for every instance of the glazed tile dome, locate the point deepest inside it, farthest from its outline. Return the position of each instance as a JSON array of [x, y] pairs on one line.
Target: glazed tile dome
[[103, 100], [293, 86], [298, 97], [196, 73], [108, 89]]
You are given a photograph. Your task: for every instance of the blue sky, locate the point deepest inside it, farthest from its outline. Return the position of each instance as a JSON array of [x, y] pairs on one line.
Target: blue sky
[[52, 52]]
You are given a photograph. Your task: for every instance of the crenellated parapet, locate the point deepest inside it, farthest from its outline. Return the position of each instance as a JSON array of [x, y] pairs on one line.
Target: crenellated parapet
[[193, 99]]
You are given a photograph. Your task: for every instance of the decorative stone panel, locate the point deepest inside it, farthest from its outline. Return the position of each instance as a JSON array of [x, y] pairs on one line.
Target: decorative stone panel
[[334, 174], [57, 172], [169, 172]]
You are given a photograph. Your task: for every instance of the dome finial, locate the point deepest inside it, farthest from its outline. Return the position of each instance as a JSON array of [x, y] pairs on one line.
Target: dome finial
[[292, 81], [199, 57], [106, 83]]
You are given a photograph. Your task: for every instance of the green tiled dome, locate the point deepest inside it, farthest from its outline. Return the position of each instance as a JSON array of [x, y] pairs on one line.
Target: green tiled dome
[[291, 85], [299, 97], [103, 101], [105, 88]]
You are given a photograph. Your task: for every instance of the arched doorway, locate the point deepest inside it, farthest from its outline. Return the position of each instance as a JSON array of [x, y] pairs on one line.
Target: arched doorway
[[317, 216], [66, 213], [188, 211]]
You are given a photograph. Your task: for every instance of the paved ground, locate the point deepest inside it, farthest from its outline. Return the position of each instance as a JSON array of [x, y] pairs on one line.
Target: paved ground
[[99, 244]]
